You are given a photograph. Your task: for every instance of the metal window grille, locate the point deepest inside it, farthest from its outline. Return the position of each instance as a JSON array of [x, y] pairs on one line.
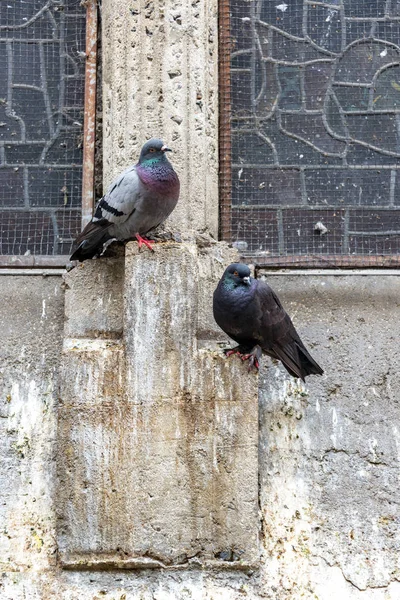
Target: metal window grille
[[43, 58], [310, 131]]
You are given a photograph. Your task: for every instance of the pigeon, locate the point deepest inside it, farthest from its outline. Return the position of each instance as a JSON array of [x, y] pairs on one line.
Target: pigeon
[[138, 200], [250, 312]]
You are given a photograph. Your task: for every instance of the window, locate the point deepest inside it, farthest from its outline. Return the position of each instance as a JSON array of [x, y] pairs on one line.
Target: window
[[43, 58], [310, 131]]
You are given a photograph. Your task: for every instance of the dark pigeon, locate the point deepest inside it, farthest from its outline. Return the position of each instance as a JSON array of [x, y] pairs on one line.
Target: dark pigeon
[[138, 200], [250, 312]]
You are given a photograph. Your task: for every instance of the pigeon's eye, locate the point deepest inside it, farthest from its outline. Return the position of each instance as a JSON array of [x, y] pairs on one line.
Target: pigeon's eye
[[152, 149], [236, 273]]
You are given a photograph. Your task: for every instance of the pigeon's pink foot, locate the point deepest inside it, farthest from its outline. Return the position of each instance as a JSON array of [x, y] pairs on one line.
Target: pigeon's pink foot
[[236, 350], [144, 241], [254, 358], [230, 352], [253, 362]]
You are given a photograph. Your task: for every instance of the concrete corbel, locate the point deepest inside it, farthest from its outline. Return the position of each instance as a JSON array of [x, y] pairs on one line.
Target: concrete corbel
[[158, 431]]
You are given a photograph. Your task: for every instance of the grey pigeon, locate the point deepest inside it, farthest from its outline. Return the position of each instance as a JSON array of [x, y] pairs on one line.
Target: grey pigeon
[[250, 312], [138, 200]]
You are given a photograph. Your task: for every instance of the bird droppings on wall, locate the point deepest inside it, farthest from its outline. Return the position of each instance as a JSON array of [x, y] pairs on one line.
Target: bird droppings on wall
[[328, 508], [152, 429]]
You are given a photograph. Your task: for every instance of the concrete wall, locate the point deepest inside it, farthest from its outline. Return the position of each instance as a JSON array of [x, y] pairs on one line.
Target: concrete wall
[[31, 326], [329, 451], [157, 438], [328, 455], [128, 444], [160, 79]]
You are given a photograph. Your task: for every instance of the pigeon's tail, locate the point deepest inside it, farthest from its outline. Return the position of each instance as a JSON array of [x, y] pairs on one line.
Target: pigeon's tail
[[90, 242], [308, 365], [297, 360]]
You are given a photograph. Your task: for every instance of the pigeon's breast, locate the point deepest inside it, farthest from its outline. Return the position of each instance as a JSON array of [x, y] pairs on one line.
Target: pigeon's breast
[[239, 299], [233, 310], [155, 198], [160, 180]]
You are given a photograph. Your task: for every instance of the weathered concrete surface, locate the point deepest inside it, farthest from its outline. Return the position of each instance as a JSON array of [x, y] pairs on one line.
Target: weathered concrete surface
[[329, 457], [344, 537], [31, 325], [328, 452], [160, 70], [157, 433], [93, 308], [197, 417]]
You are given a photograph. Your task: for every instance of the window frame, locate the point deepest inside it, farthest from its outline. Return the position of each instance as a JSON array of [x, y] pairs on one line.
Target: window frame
[[54, 261], [294, 261]]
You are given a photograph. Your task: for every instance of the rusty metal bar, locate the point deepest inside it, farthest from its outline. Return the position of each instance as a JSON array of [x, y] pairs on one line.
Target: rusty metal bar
[[33, 262], [225, 144], [89, 126], [38, 272], [328, 272], [276, 262], [54, 261], [334, 261]]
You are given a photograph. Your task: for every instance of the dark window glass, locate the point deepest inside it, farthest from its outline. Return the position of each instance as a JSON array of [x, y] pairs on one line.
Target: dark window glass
[[42, 63], [314, 122]]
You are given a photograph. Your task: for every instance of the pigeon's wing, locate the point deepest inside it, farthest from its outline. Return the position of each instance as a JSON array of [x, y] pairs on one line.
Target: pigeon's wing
[[114, 208], [273, 323], [121, 198], [278, 336], [90, 241]]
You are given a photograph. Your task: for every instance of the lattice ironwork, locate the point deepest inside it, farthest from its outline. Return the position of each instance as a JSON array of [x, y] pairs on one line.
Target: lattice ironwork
[[42, 69], [310, 148]]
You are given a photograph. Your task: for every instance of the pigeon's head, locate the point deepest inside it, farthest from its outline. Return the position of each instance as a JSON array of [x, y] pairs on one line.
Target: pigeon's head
[[237, 274], [153, 150]]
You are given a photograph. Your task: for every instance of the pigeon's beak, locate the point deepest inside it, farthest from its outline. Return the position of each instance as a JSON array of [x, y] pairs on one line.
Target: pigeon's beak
[[246, 280], [165, 149]]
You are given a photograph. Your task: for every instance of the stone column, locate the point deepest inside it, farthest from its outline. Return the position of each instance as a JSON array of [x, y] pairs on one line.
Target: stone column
[[158, 431], [160, 79]]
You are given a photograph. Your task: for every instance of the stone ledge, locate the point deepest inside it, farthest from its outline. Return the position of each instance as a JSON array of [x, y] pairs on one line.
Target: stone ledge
[[111, 562]]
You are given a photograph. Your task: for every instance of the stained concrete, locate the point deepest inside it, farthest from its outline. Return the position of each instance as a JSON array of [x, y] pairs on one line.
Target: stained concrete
[[328, 451], [160, 79], [31, 326], [328, 455], [157, 440], [330, 458]]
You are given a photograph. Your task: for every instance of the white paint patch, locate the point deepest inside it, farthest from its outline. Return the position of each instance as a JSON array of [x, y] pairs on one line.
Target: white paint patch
[[43, 308], [317, 406], [331, 13], [334, 424], [26, 409], [374, 525], [396, 438], [89, 344], [373, 445], [363, 474]]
